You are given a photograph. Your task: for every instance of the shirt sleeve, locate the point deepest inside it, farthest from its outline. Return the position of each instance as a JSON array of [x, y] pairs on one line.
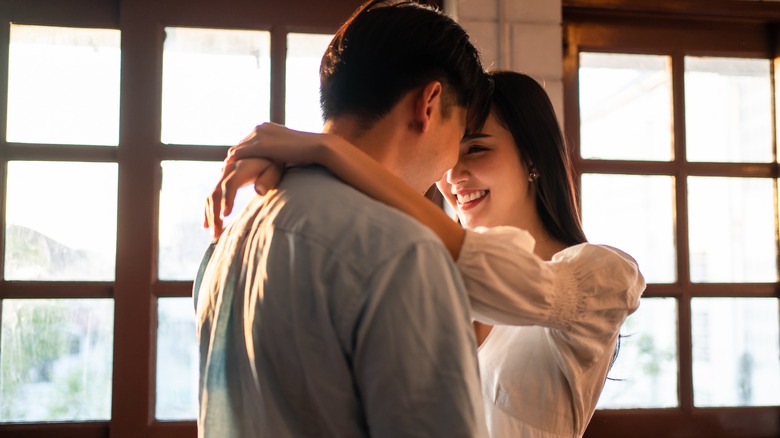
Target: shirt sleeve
[[201, 272], [415, 357], [584, 290]]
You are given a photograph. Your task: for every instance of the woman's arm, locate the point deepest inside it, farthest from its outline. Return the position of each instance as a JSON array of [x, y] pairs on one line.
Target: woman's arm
[[279, 144]]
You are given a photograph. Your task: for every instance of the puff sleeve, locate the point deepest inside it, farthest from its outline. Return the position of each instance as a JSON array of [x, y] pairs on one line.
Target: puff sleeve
[[585, 290]]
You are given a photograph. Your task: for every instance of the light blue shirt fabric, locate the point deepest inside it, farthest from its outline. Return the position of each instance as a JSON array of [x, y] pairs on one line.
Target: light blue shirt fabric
[[323, 313]]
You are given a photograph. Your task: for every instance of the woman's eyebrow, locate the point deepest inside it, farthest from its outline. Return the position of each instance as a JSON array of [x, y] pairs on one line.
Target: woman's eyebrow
[[469, 137]]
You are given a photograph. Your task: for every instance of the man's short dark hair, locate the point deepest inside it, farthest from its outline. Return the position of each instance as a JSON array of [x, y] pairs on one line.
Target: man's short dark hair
[[386, 49]]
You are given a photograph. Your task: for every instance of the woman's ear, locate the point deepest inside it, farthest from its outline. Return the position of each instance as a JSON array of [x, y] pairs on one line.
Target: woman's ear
[[427, 104]]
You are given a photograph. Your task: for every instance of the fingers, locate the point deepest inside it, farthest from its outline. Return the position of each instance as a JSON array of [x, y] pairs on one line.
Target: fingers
[[206, 219], [212, 216], [268, 179], [237, 173], [244, 173]]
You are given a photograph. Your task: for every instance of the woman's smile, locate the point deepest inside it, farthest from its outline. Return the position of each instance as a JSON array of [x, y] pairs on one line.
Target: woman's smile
[[469, 199]]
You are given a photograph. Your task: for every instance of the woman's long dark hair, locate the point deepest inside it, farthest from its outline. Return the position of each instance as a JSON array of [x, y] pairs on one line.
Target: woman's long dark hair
[[523, 108]]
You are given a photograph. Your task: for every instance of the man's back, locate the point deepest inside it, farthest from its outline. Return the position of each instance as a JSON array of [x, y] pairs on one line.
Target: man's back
[[324, 313]]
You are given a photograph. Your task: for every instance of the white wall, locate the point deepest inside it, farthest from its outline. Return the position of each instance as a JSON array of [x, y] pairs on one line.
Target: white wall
[[519, 35]]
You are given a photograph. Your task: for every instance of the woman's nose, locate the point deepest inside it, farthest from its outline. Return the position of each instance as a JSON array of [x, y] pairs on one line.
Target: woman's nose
[[456, 174]]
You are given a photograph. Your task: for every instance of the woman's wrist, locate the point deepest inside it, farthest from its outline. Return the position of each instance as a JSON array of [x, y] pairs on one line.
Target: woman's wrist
[[328, 150]]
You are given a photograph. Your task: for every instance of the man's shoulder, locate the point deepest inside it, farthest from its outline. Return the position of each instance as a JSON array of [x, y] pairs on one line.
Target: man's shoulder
[[314, 223], [330, 205]]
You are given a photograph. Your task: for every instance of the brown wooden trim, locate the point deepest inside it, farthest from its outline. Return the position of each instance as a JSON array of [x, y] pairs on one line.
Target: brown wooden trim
[[753, 422], [664, 37], [775, 33], [322, 30], [165, 429], [684, 352], [5, 37], [738, 290], [571, 86], [97, 429], [681, 173], [55, 289], [138, 156], [5, 42], [760, 170], [600, 29], [735, 290], [163, 289], [307, 15], [50, 152], [194, 153], [776, 190], [721, 10], [278, 73], [72, 13], [684, 341], [625, 167], [139, 134], [746, 170], [656, 290], [256, 14]]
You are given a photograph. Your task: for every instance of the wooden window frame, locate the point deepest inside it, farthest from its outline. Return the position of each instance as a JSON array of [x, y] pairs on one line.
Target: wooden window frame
[[139, 154], [677, 29], [136, 288]]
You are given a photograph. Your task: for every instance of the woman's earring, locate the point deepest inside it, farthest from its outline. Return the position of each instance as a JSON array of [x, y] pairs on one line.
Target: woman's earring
[[532, 173]]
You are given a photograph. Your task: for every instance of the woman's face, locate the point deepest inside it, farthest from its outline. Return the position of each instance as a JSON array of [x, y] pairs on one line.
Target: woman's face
[[489, 185]]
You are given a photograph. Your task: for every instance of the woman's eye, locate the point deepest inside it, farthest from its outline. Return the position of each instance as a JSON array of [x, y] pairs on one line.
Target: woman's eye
[[476, 148]]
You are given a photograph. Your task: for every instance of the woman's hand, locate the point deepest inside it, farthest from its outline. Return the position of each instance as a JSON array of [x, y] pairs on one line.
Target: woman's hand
[[259, 158], [278, 143], [263, 173]]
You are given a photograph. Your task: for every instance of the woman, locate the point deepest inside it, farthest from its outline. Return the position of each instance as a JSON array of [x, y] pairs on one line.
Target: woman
[[557, 302]]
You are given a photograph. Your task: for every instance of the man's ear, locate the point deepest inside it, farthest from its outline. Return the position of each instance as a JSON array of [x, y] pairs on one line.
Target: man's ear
[[427, 104]]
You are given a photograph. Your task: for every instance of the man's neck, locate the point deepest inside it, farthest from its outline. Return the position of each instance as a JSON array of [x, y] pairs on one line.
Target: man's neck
[[376, 141]]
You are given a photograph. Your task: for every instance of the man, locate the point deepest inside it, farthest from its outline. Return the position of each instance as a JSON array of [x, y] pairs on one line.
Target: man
[[321, 312]]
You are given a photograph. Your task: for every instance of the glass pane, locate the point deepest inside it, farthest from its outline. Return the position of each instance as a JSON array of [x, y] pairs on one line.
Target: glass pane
[[645, 373], [64, 229], [216, 85], [732, 230], [636, 214], [736, 358], [302, 102], [63, 85], [625, 107], [56, 360], [728, 109], [182, 202], [177, 360]]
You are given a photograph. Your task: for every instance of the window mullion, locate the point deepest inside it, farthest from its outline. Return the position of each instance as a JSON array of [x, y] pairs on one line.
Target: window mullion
[[685, 345], [134, 326], [5, 42], [775, 35], [278, 72]]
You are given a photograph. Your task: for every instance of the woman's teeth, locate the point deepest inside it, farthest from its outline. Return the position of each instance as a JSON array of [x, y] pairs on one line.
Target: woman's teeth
[[462, 199]]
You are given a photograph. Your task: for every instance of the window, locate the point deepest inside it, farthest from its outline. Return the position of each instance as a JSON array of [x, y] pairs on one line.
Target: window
[[114, 120], [672, 122]]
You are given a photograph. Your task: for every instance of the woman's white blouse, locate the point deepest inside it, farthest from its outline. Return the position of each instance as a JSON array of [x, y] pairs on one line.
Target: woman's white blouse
[[556, 324]]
